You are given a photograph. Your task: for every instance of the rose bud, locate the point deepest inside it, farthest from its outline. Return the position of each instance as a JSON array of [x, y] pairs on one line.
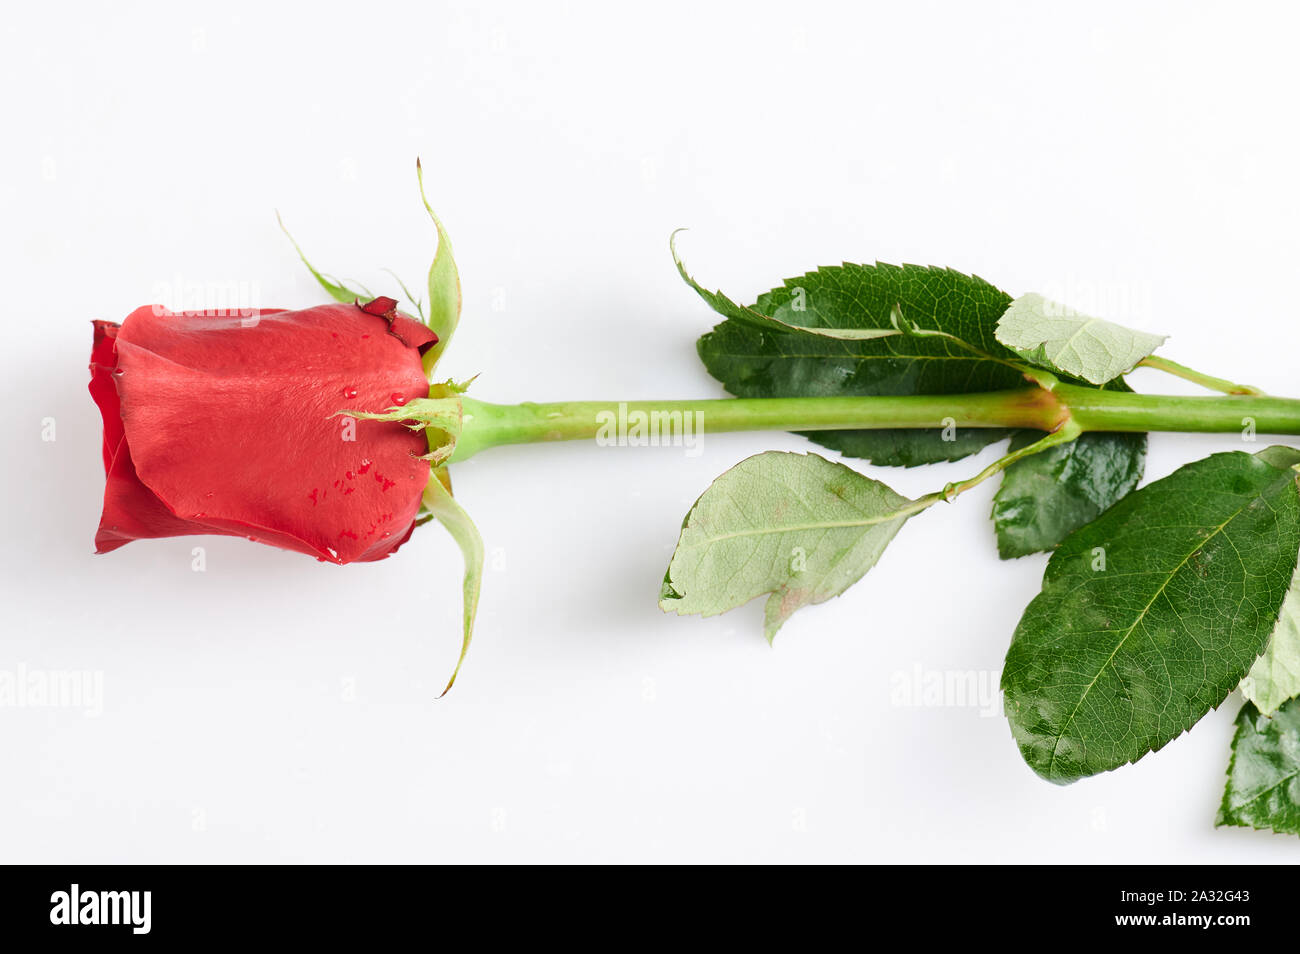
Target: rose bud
[[228, 425]]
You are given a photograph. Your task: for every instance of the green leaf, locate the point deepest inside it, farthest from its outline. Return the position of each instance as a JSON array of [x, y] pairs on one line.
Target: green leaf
[[1150, 615], [1263, 789], [1060, 339], [1275, 677], [439, 502], [766, 351], [444, 285], [1046, 497], [752, 360], [729, 309], [796, 526], [336, 289]]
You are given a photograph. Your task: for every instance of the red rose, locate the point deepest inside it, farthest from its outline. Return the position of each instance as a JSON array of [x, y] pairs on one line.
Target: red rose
[[225, 425]]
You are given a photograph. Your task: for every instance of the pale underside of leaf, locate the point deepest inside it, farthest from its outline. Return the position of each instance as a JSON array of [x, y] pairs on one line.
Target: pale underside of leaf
[[1061, 339], [1275, 677], [798, 527]]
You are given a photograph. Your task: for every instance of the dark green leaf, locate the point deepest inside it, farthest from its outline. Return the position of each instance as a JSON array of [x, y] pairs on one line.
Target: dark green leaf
[[1150, 615], [1263, 789], [1045, 497], [753, 361], [754, 355], [1048, 496]]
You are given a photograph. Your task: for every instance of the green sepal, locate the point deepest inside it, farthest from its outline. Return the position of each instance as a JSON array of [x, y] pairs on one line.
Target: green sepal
[[336, 289], [416, 303], [444, 285], [440, 417], [439, 502]]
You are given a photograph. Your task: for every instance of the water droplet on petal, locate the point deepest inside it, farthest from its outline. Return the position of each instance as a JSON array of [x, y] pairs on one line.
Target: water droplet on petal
[[399, 399], [349, 392]]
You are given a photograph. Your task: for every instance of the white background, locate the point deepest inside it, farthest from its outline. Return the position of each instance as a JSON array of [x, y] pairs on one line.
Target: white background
[[1136, 159]]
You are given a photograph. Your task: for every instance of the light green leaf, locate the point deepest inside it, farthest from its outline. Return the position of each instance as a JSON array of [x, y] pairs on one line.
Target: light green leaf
[[1275, 677], [1060, 339], [439, 502], [444, 286], [336, 289], [796, 526], [1151, 614], [1263, 789]]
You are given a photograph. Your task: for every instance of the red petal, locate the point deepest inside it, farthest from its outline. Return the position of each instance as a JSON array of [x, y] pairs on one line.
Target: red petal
[[382, 306], [412, 333], [133, 512], [229, 424], [103, 361]]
